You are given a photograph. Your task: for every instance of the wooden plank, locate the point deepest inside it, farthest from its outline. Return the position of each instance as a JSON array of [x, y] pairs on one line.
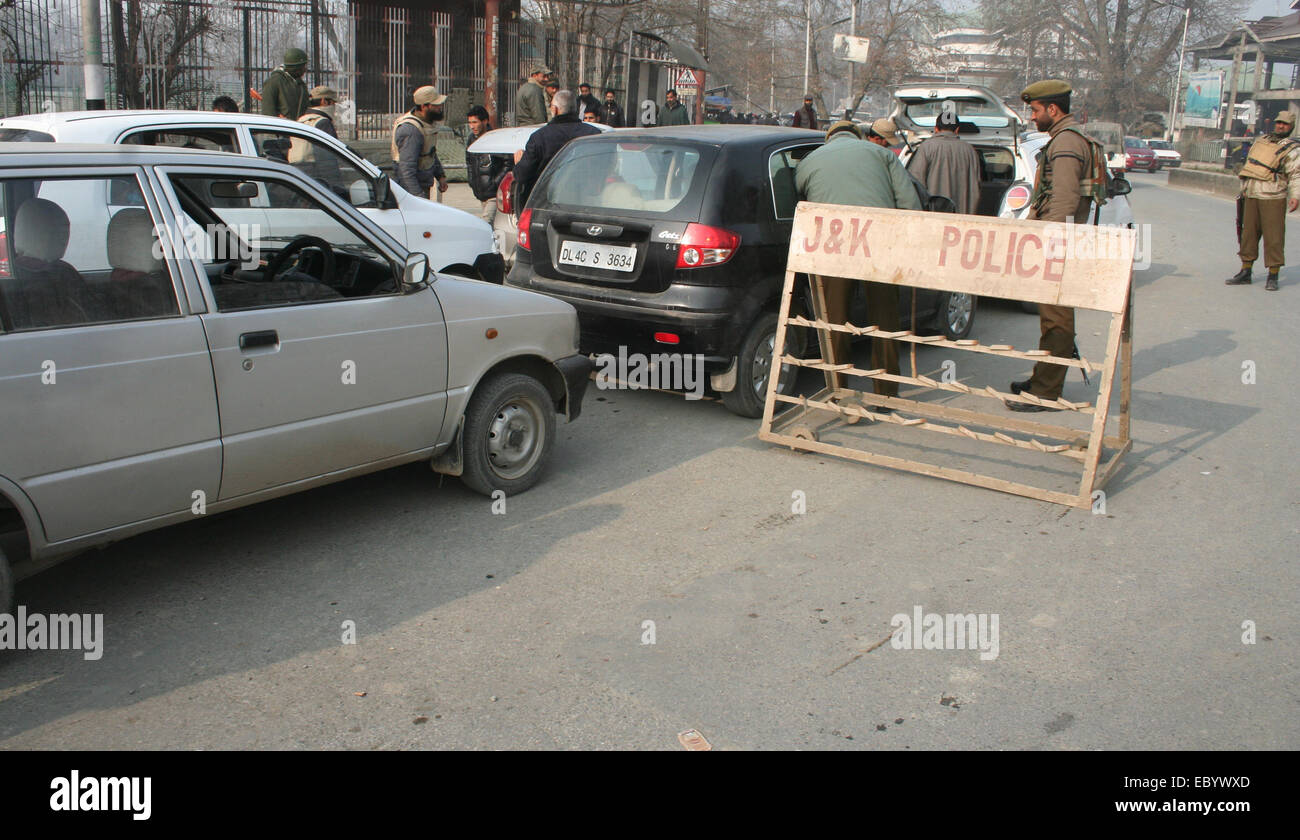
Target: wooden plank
[[818, 288], [778, 350], [980, 418], [940, 341], [1103, 406], [1085, 266], [1126, 370], [922, 468], [1112, 466]]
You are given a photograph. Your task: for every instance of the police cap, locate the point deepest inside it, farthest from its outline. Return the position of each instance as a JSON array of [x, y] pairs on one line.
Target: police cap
[[1046, 89]]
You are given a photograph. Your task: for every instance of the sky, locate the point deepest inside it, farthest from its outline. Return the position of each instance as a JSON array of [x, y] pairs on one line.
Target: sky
[[1266, 8]]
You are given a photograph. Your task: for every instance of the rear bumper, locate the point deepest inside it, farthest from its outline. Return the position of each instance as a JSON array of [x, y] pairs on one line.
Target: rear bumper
[[706, 328], [576, 371]]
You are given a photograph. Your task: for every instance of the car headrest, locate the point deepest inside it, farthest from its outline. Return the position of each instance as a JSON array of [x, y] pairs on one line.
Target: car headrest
[[40, 230], [132, 244]]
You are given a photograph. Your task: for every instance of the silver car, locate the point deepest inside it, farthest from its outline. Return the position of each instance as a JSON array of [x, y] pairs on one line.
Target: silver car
[[186, 332]]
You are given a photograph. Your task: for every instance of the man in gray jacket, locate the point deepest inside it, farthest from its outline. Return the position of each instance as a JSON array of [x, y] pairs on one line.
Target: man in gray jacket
[[948, 165]]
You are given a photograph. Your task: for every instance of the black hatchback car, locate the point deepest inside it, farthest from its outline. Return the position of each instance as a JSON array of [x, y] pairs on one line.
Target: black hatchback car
[[674, 240]]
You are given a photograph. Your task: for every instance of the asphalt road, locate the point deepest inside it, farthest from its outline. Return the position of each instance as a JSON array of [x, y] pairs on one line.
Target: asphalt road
[[526, 630]]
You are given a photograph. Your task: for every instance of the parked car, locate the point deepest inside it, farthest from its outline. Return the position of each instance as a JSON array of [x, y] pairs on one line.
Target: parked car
[[675, 240], [184, 359], [1009, 156], [1138, 155], [1166, 154], [504, 142], [456, 242]]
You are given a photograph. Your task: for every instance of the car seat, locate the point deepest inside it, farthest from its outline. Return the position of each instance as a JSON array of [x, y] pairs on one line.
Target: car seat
[[44, 291], [140, 286]]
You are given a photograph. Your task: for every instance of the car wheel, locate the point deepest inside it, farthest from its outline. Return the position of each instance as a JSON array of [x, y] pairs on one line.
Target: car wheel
[[956, 314], [754, 365], [509, 434], [6, 585]]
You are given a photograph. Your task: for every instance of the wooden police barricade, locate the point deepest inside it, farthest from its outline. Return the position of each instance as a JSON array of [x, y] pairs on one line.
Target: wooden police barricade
[[1082, 266]]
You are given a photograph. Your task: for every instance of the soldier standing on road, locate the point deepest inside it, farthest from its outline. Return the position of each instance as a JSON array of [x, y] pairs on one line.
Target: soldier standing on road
[[1270, 188], [1064, 189], [948, 165], [285, 93], [415, 154], [673, 112], [530, 101], [849, 170]]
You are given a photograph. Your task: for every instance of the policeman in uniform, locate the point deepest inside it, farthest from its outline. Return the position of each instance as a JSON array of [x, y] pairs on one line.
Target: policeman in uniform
[[1270, 187], [1059, 196], [284, 94], [415, 154], [321, 112]]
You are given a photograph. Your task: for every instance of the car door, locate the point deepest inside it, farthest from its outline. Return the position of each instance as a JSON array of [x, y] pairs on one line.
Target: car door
[[332, 169], [318, 369], [107, 398]]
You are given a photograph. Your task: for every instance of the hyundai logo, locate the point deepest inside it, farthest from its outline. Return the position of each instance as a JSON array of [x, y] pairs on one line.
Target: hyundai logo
[[595, 230]]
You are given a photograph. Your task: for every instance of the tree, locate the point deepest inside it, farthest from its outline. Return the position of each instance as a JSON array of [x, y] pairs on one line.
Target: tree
[[1119, 54], [16, 45], [150, 42]]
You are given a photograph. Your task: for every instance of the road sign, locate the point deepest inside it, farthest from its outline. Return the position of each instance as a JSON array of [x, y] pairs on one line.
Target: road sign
[[687, 79], [850, 48]]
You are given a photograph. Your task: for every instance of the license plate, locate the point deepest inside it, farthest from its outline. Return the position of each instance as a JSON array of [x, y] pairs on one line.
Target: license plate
[[598, 255]]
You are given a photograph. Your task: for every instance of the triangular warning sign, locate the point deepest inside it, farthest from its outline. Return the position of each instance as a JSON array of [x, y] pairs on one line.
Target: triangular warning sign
[[687, 78]]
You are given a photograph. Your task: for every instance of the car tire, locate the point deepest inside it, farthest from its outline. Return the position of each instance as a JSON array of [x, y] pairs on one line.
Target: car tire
[[6, 585], [509, 434], [754, 365], [955, 315]]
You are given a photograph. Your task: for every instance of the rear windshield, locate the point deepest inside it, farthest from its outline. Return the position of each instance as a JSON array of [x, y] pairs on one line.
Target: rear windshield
[[661, 178], [24, 135], [981, 113]]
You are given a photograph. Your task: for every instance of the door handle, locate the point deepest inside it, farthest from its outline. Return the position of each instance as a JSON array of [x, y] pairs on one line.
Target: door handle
[[261, 338]]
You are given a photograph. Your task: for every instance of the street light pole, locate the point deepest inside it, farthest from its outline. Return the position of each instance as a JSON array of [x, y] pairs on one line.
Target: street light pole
[[1182, 57], [807, 42]]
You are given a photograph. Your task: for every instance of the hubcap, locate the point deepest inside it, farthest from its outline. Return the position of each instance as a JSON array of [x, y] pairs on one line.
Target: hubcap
[[762, 367], [959, 312], [514, 438]]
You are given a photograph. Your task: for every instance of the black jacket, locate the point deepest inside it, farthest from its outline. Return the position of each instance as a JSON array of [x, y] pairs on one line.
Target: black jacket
[[485, 174], [610, 114], [545, 143], [588, 103]]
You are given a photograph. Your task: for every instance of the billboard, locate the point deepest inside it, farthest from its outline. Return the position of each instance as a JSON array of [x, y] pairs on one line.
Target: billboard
[[1204, 98]]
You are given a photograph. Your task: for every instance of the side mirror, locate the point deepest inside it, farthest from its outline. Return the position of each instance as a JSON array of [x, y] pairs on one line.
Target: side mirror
[[384, 193], [415, 275], [1120, 186], [359, 192]]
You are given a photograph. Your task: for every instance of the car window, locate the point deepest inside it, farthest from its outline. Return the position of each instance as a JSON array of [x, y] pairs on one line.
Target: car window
[[212, 139], [24, 135], [295, 252], [653, 177], [781, 171], [70, 257], [999, 163], [318, 161]]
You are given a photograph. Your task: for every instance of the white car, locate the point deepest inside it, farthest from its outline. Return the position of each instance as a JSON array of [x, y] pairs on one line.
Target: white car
[[1169, 157], [455, 242], [505, 142]]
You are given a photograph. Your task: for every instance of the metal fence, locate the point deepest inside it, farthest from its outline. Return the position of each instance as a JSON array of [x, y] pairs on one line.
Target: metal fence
[[184, 53]]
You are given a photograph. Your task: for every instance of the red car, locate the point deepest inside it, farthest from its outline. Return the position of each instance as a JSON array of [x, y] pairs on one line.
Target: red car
[[1138, 155]]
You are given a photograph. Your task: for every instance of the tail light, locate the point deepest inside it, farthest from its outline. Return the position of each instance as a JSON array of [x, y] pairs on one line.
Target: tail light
[[1017, 197], [503, 194], [704, 245], [525, 219]]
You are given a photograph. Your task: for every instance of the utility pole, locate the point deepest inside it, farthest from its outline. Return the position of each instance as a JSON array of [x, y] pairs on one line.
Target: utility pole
[[94, 63], [771, 101], [807, 42], [491, 57], [702, 42], [853, 30]]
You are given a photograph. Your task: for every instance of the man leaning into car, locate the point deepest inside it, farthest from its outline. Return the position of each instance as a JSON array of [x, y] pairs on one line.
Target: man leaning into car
[[849, 170]]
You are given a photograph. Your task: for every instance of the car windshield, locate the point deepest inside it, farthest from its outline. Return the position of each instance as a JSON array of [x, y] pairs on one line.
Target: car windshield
[[1134, 143], [630, 175], [1163, 145]]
